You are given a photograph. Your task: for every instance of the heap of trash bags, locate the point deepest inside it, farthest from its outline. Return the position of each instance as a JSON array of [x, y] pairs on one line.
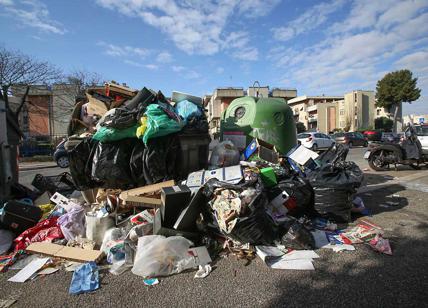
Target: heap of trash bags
[[143, 195]]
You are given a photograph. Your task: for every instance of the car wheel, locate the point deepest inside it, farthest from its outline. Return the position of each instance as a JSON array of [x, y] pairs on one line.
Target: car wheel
[[62, 162], [350, 144], [314, 147]]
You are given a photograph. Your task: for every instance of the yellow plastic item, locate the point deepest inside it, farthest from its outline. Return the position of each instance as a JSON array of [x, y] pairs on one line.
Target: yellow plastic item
[[142, 128], [46, 209]]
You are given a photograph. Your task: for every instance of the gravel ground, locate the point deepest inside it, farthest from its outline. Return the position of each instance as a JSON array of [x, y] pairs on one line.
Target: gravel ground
[[355, 278]]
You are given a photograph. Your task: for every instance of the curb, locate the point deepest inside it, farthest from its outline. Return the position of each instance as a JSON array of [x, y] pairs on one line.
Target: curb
[[36, 167]]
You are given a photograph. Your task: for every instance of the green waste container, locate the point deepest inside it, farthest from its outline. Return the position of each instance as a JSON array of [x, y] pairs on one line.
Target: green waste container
[[269, 119]]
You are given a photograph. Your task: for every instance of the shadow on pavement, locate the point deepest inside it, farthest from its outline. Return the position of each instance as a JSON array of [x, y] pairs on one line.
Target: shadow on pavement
[[385, 199]]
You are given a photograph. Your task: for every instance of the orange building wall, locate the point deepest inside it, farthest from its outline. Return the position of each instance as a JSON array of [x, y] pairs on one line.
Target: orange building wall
[[38, 114]]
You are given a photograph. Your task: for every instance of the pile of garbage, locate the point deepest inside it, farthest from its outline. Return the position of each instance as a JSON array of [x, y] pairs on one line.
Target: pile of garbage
[[144, 196]]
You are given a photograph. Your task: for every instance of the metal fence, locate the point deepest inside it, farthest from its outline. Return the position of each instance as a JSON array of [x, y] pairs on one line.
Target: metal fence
[[39, 145]]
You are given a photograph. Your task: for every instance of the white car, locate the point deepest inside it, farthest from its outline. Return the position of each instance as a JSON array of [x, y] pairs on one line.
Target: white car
[[422, 133], [315, 140]]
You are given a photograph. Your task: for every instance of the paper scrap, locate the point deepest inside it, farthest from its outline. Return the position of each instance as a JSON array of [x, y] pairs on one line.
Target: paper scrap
[[200, 255], [28, 271], [341, 247], [302, 154], [48, 271], [300, 254], [303, 264], [203, 271], [268, 252]]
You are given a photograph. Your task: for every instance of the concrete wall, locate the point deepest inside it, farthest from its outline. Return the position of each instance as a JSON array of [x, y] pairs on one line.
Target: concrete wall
[[263, 91], [328, 117]]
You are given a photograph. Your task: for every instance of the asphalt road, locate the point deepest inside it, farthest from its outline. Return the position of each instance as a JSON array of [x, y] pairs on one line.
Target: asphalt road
[[354, 279]]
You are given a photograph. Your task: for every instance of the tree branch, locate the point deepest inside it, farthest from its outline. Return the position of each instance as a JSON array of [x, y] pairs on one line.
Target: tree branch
[[23, 99]]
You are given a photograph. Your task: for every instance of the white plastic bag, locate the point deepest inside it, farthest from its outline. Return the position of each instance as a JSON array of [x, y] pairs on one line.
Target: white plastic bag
[[161, 256], [225, 154], [96, 227]]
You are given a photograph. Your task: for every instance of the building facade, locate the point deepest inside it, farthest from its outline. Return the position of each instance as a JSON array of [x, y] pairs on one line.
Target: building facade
[[47, 110], [354, 111], [316, 112]]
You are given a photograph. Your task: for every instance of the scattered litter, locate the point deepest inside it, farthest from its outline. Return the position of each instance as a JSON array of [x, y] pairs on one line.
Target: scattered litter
[[396, 195], [340, 247], [151, 282], [28, 271], [381, 245], [85, 279], [203, 271]]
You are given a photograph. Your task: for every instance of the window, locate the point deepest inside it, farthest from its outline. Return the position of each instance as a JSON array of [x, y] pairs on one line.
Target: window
[[342, 123], [342, 112], [301, 136], [378, 112], [355, 97], [318, 135]]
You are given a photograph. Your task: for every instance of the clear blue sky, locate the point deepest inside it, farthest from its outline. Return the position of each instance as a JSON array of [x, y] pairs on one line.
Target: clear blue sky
[[329, 47]]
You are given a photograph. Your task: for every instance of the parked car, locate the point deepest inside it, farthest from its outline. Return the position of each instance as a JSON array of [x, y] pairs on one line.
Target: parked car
[[373, 135], [351, 139], [315, 141], [60, 155], [422, 133]]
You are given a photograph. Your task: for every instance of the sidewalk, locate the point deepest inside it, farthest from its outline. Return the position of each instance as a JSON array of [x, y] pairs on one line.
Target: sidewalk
[[36, 165]]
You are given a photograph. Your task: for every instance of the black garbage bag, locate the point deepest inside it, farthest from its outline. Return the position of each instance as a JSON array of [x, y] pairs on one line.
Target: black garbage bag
[[110, 164], [254, 226], [159, 159], [300, 192], [137, 164], [80, 164], [334, 186], [298, 237], [121, 118]]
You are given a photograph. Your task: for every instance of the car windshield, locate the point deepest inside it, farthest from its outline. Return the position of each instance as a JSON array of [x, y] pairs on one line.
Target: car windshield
[[301, 136], [422, 130], [338, 135]]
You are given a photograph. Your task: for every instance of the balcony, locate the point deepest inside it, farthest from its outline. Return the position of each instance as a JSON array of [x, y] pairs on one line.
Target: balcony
[[313, 118], [311, 108]]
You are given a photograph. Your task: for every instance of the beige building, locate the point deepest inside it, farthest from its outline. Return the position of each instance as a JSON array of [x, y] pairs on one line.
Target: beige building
[[415, 119], [311, 110], [218, 102], [357, 111], [353, 111]]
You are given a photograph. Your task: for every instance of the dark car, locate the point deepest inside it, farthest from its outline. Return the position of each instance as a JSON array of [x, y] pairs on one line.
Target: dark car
[[60, 155], [351, 139], [373, 135]]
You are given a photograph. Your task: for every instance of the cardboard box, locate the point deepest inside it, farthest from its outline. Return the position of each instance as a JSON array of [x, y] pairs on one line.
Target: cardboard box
[[64, 252], [141, 196], [174, 200], [232, 175], [263, 150]]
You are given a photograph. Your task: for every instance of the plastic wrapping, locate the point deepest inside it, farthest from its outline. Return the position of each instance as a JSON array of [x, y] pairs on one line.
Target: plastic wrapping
[[334, 186], [80, 158], [6, 240], [253, 226], [73, 223], [158, 160], [300, 192], [159, 123], [110, 164], [225, 154], [109, 134], [161, 256], [298, 237], [187, 110]]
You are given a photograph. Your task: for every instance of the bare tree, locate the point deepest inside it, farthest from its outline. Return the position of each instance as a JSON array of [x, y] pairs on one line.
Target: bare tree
[[18, 69]]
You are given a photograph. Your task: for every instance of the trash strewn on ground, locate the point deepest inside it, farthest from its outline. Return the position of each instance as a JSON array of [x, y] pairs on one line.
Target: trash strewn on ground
[[144, 196]]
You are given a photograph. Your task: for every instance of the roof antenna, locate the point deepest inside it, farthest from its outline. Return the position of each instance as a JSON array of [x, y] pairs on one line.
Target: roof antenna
[[258, 88]]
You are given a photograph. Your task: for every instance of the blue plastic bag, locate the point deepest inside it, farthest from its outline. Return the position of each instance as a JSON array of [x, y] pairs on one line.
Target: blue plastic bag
[[187, 109], [85, 279]]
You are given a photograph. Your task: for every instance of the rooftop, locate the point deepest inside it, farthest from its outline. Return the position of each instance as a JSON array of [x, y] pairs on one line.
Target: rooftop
[[306, 97]]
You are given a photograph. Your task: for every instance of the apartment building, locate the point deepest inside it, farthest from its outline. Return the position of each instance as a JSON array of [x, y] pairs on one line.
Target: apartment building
[[316, 112], [353, 111], [218, 102]]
